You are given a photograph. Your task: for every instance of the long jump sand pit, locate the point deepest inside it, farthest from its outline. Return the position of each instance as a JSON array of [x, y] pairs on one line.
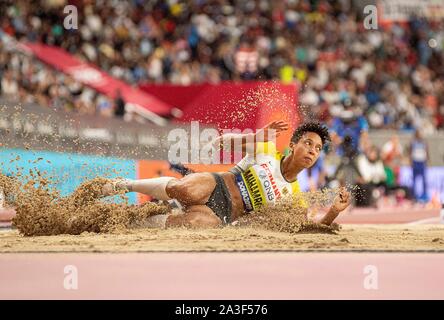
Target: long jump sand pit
[[275, 254], [82, 222], [371, 238]]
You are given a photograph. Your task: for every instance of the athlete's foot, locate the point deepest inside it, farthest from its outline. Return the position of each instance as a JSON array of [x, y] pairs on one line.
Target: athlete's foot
[[115, 186], [2, 198]]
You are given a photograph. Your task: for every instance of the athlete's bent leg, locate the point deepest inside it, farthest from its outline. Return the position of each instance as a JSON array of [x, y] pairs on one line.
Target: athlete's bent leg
[[156, 221], [193, 189], [198, 216], [155, 187]]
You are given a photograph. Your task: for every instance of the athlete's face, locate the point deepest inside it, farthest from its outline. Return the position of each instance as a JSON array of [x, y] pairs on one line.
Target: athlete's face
[[307, 150]]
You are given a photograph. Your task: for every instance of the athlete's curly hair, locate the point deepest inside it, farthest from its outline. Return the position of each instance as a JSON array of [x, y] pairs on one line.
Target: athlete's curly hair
[[315, 127]]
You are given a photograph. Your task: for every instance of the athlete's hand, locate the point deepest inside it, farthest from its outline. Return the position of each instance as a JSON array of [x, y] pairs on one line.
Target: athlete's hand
[[342, 201], [272, 130]]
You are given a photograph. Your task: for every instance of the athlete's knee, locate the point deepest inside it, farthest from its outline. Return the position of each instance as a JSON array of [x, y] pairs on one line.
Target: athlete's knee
[[193, 219], [204, 221], [173, 188], [180, 190]]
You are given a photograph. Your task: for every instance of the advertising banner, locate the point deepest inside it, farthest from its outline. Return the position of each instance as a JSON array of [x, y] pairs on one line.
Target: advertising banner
[[97, 79]]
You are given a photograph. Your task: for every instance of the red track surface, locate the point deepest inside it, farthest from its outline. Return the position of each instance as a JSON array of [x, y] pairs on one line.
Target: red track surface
[[223, 276]]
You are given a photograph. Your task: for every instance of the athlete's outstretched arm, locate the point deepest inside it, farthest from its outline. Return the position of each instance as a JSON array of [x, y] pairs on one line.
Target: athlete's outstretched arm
[[248, 141], [341, 202]]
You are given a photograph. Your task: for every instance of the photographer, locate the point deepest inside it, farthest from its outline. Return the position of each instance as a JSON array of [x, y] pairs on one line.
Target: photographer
[[347, 172], [349, 133], [371, 169], [350, 122]]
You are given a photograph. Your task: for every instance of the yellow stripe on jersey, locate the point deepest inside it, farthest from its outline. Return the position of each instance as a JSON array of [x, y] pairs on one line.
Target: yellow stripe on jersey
[[255, 190], [247, 188], [298, 195], [268, 148]]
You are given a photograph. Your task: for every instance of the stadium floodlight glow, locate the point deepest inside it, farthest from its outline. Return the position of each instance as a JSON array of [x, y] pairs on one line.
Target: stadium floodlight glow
[[433, 43]]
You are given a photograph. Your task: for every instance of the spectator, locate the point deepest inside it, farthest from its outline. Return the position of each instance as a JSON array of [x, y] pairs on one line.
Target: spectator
[[419, 155], [351, 123], [104, 106], [394, 74], [393, 188], [347, 172], [9, 86], [371, 167], [119, 104], [373, 176], [391, 155]]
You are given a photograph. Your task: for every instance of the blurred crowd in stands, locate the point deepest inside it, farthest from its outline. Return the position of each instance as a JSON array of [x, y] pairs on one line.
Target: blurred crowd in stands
[[25, 79], [375, 171], [394, 76], [351, 78]]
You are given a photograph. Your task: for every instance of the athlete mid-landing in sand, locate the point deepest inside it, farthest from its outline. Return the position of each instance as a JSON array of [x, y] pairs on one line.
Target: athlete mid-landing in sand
[[263, 176]]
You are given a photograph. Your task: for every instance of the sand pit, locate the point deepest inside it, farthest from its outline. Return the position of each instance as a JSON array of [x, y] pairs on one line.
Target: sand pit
[[85, 222], [350, 238], [42, 211]]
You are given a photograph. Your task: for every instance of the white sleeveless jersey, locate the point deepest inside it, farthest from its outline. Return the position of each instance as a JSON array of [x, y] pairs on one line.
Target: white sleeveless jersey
[[261, 180]]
